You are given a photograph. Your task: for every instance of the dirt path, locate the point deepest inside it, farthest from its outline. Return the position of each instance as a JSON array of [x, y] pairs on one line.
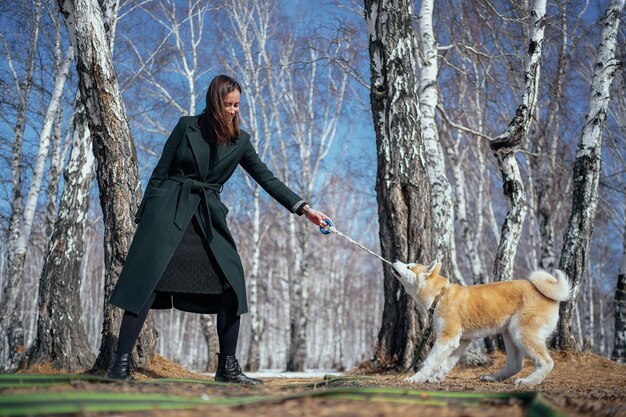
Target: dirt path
[[580, 385]]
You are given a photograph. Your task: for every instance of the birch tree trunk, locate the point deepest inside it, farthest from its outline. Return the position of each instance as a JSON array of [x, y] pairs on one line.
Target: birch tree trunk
[[252, 364], [12, 347], [12, 336], [469, 236], [56, 142], [506, 145], [441, 192], [548, 204], [471, 223], [591, 325], [116, 169], [404, 208], [61, 337], [587, 168], [15, 220], [57, 159], [210, 337], [619, 343]]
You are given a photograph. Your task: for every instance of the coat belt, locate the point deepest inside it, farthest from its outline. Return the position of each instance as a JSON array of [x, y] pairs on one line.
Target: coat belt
[[206, 190]]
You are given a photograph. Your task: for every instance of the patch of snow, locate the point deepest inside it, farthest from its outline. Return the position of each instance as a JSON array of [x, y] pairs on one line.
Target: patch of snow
[[279, 373]]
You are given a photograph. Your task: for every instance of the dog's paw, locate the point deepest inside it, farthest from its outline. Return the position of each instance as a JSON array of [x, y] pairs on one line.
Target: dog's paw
[[488, 378], [424, 378], [525, 381], [437, 376], [417, 378]]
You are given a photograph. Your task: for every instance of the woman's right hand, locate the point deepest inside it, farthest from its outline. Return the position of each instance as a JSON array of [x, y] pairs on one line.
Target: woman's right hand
[[314, 216]]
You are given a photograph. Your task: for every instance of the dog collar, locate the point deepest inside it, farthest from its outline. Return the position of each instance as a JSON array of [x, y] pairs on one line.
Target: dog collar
[[431, 310]]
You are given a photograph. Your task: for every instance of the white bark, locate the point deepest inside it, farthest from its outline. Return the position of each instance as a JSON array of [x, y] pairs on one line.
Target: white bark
[[61, 338], [210, 337], [619, 344], [549, 202], [441, 193], [57, 160], [115, 152], [579, 326], [42, 154], [11, 326], [406, 230], [506, 145], [468, 233], [531, 254], [11, 351], [587, 169], [23, 92]]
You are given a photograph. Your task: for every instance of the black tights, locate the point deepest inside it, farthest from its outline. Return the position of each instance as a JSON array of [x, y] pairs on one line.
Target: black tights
[[227, 325]]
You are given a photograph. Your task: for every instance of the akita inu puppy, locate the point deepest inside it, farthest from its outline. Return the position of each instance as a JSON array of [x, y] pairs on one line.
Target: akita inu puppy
[[525, 312]]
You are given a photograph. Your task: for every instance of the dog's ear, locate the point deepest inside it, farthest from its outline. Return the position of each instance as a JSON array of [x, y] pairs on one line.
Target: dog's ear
[[433, 269]]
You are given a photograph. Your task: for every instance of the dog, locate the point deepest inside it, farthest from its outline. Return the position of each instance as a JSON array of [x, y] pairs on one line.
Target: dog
[[524, 311]]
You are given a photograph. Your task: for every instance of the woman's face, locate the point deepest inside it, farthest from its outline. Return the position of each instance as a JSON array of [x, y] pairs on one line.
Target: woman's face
[[231, 103]]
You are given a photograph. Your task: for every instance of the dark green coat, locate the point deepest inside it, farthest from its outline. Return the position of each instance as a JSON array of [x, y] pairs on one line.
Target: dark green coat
[[188, 178]]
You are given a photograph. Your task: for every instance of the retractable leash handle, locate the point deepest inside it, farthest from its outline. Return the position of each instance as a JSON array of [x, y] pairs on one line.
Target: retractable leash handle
[[325, 230]]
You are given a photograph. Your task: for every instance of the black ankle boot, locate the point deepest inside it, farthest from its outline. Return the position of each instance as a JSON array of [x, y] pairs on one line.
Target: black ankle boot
[[228, 370], [120, 367]]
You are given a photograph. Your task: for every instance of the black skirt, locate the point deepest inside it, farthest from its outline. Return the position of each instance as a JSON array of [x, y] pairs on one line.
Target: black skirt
[[193, 280]]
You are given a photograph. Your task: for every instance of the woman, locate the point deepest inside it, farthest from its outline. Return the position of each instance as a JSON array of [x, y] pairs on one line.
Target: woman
[[182, 254]]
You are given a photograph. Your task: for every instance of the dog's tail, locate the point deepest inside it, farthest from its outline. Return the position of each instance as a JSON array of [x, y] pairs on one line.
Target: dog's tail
[[556, 288]]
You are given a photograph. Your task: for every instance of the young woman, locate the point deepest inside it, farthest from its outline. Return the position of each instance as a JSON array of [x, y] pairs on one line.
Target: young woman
[[183, 255]]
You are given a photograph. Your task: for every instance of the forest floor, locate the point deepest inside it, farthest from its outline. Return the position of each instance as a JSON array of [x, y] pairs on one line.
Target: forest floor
[[580, 384]]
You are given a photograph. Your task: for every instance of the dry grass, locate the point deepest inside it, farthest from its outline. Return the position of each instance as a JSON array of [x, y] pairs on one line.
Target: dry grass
[[581, 384]]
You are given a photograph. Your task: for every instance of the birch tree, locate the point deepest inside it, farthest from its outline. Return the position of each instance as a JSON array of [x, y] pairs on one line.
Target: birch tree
[[619, 344], [587, 168], [57, 159], [403, 191], [506, 145], [57, 146], [11, 326], [465, 137], [61, 337], [23, 92], [618, 350], [210, 337], [441, 192], [12, 346], [116, 168], [548, 183]]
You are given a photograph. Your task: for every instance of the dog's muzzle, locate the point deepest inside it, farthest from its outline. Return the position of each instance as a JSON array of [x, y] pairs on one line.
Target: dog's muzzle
[[398, 267]]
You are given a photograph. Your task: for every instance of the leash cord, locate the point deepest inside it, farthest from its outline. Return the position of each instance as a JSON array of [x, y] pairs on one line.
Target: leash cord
[[333, 230], [419, 350]]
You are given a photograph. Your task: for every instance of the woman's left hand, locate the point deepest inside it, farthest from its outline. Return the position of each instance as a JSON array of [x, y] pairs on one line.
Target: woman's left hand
[[315, 217]]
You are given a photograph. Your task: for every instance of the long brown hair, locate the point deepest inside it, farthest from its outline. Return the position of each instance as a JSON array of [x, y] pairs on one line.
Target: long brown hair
[[215, 124]]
